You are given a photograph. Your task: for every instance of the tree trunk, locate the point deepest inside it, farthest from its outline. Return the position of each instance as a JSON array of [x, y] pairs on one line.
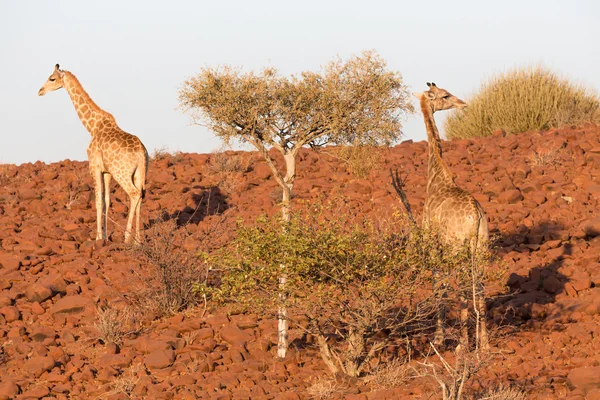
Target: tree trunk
[[282, 316]]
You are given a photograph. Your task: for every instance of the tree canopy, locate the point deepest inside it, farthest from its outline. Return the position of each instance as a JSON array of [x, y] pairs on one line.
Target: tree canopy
[[354, 102]]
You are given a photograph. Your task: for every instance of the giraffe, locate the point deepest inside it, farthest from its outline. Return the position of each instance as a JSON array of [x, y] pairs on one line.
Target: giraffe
[[111, 153], [452, 210]]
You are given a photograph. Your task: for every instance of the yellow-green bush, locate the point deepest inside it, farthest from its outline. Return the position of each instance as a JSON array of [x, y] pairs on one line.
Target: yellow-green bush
[[357, 283], [523, 99]]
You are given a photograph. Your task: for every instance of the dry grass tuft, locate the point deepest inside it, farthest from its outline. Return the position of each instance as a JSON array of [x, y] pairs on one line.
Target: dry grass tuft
[[114, 324], [524, 99], [164, 152], [360, 159], [545, 157], [390, 375], [125, 383], [228, 168], [502, 393], [323, 389]]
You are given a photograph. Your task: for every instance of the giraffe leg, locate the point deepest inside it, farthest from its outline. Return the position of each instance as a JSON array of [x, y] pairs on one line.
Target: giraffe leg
[[107, 178], [138, 180], [440, 318], [138, 221], [134, 199], [481, 308], [464, 321], [101, 228]]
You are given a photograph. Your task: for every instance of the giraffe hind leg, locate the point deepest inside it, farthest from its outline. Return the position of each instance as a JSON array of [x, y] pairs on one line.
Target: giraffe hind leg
[[107, 177], [100, 223]]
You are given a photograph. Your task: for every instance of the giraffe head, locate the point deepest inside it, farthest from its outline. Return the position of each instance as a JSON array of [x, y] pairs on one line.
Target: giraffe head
[[54, 82], [440, 99]]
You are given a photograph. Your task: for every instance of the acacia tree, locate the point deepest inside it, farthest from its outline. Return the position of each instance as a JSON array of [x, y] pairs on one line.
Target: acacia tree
[[355, 102]]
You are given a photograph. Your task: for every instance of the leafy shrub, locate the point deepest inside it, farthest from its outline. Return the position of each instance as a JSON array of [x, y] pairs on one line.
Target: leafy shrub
[[353, 283], [523, 99]]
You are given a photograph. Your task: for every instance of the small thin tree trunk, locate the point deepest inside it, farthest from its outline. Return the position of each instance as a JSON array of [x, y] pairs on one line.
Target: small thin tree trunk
[[282, 315]]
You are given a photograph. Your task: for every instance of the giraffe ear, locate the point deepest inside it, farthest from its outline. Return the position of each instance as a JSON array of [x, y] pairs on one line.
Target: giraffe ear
[[418, 95], [429, 84], [432, 85], [56, 67]]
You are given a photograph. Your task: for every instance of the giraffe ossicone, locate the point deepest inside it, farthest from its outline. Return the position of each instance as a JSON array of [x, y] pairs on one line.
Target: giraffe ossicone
[[112, 153]]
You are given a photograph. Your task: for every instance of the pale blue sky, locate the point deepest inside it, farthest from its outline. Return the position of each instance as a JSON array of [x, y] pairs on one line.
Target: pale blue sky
[[133, 56]]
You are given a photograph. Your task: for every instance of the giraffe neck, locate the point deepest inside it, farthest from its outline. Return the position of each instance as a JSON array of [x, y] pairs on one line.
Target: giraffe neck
[[89, 113], [438, 173]]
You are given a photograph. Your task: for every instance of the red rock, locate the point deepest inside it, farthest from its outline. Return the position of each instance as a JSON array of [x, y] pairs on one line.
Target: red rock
[[10, 313], [510, 197], [8, 389], [115, 360], [36, 392], [159, 359], [591, 227], [204, 333], [585, 378], [9, 262], [235, 336], [36, 366], [37, 292], [147, 345], [72, 304], [552, 285], [41, 333], [28, 194], [36, 308]]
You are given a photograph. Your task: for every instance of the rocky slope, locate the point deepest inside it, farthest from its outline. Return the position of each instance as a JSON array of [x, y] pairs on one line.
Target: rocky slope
[[541, 192]]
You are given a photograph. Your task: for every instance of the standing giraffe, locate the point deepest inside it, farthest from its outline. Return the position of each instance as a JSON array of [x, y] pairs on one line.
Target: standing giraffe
[[112, 152], [452, 210]]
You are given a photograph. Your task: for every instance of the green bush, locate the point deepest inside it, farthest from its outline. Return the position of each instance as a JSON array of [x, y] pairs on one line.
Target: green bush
[[349, 278], [523, 99]]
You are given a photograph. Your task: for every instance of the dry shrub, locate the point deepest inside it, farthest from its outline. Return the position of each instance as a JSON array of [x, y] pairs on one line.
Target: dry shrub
[[502, 393], [361, 159], [389, 375], [323, 389], [164, 153], [172, 274], [228, 168], [114, 324], [545, 157], [125, 383], [523, 99], [8, 174]]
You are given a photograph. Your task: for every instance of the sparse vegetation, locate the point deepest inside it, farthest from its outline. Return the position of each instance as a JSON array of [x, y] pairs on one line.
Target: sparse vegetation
[[502, 393], [114, 324], [523, 99], [126, 381], [354, 102], [361, 159], [164, 152], [323, 389], [358, 284], [545, 156], [228, 167], [172, 274]]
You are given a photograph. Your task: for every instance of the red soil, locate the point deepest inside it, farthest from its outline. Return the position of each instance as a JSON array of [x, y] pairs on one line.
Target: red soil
[[541, 192]]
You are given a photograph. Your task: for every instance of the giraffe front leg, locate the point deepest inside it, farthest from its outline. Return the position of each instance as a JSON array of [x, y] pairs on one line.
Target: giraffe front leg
[[101, 227]]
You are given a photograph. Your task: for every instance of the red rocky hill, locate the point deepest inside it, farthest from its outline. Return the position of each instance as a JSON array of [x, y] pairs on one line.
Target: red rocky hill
[[541, 192]]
